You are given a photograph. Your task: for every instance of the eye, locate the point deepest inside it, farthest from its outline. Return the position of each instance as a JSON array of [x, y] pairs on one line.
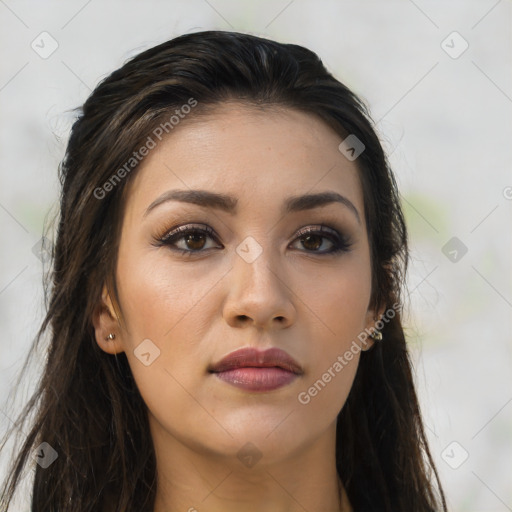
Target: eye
[[313, 238], [193, 238]]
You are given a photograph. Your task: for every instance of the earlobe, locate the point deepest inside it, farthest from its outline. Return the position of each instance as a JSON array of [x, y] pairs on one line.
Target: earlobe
[[106, 326], [372, 328]]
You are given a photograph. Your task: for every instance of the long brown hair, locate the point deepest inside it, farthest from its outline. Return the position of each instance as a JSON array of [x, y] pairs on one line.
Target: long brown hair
[[87, 406]]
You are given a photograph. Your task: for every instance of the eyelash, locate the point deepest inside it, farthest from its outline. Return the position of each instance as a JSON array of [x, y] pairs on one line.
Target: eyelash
[[340, 243]]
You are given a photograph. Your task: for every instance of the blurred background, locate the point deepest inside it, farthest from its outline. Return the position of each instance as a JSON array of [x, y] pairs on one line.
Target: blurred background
[[437, 78]]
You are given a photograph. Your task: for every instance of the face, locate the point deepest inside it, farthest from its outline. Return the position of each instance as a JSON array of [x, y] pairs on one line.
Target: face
[[202, 276]]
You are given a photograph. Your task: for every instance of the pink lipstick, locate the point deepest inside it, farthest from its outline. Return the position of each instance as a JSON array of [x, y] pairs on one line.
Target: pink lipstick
[[255, 370]]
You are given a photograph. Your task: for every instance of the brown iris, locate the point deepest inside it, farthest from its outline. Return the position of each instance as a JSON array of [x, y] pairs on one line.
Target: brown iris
[[195, 238], [307, 239]]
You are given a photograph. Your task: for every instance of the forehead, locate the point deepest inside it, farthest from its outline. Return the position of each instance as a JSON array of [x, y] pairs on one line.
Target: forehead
[[258, 155]]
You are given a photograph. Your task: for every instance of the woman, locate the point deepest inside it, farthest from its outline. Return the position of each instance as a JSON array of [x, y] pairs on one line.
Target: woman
[[225, 317]]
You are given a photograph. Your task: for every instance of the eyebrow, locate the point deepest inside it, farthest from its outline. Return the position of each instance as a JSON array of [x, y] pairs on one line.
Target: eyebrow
[[228, 203]]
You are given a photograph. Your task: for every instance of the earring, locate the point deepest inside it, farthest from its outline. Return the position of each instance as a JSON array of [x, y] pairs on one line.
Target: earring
[[376, 336], [110, 337]]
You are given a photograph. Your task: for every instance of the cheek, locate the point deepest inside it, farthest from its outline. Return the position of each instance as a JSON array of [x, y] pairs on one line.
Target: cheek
[[340, 307], [158, 295], [338, 298], [167, 308]]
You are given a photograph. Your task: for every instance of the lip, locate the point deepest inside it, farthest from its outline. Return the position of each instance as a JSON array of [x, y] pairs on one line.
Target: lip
[[256, 370]]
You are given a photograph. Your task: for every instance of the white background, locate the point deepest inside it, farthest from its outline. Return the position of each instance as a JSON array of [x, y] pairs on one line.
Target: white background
[[445, 121]]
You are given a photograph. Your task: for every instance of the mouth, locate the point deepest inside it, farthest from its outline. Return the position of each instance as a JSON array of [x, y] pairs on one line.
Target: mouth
[[255, 370]]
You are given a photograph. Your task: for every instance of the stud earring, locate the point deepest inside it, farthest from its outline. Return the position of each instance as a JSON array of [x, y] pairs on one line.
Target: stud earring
[[110, 337], [376, 336]]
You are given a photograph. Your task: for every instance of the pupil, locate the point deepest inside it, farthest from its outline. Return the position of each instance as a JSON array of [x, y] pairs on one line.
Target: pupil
[[308, 238], [193, 238]]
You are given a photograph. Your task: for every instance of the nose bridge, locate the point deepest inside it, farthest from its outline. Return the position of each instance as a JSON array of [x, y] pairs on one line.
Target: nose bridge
[[258, 265], [258, 288]]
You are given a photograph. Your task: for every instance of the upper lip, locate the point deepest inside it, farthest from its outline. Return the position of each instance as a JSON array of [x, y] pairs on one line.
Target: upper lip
[[251, 357]]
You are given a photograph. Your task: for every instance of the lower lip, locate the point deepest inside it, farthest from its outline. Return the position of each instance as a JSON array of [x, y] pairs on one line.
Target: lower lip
[[257, 379]]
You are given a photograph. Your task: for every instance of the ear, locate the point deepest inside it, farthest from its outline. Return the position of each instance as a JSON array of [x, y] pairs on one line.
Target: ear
[[372, 317], [105, 322]]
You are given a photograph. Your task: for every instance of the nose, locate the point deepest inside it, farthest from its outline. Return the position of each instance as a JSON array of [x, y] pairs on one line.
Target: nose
[[259, 295]]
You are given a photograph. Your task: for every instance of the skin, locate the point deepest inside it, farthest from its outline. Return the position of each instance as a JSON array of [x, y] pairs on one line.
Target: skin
[[196, 310]]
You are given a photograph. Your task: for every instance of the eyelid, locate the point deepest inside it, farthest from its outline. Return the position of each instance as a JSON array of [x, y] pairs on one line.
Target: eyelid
[[341, 242], [318, 228], [185, 228]]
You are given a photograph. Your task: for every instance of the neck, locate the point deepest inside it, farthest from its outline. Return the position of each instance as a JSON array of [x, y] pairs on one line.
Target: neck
[[193, 481], [233, 492]]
